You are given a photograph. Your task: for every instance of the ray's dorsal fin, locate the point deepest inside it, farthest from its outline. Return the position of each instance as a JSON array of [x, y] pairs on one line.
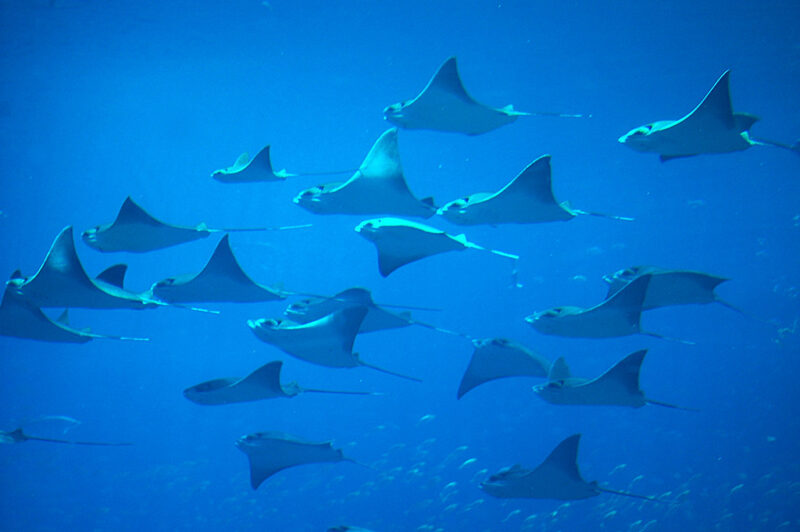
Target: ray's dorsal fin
[[630, 299], [559, 371], [242, 160], [447, 79], [625, 373], [63, 318], [717, 104], [132, 213], [267, 376], [564, 458], [114, 275]]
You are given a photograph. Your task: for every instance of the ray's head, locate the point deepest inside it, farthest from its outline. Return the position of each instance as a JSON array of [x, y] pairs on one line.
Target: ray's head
[[455, 211], [395, 114], [549, 391], [504, 483], [639, 138], [90, 235], [369, 228], [550, 321], [308, 198]]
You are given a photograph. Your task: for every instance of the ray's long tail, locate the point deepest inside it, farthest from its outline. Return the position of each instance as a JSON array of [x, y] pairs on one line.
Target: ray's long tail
[[75, 442], [794, 147], [388, 372], [628, 494], [603, 215], [670, 405], [339, 392]]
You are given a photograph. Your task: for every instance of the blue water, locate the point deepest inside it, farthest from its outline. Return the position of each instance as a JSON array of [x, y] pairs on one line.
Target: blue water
[[100, 100]]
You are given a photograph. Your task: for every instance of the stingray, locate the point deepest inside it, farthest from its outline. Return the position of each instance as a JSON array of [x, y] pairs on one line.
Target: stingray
[[19, 318], [619, 386], [377, 318], [136, 231], [18, 436], [270, 452], [527, 199], [558, 477], [712, 127], [345, 528], [245, 170], [259, 170], [377, 187], [619, 315], [400, 242], [221, 280], [327, 341], [497, 358], [263, 383], [670, 287], [445, 105], [61, 281]]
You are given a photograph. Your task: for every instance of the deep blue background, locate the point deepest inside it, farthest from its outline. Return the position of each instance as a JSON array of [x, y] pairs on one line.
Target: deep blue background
[[100, 100]]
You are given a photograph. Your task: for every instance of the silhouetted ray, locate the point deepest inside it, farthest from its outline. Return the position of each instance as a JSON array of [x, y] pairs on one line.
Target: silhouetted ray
[[619, 315], [712, 127], [21, 319], [377, 318], [527, 199], [136, 231], [263, 383], [377, 187], [221, 280], [61, 281], [619, 386], [345, 528], [400, 242], [244, 170], [445, 105], [18, 436], [670, 287], [270, 452], [327, 341], [496, 358], [259, 170], [558, 477]]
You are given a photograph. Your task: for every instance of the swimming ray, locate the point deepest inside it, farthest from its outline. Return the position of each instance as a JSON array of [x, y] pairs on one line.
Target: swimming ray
[[527, 199], [618, 386], [61, 281], [136, 231], [263, 383], [18, 436], [246, 170], [19, 318], [327, 341], [271, 452], [670, 287], [711, 127], [259, 169], [445, 105], [400, 242], [558, 477], [619, 315], [377, 318], [221, 280], [497, 358], [377, 187]]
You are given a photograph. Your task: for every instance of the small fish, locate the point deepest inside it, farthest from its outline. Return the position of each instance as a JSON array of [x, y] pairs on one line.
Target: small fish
[[467, 463]]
